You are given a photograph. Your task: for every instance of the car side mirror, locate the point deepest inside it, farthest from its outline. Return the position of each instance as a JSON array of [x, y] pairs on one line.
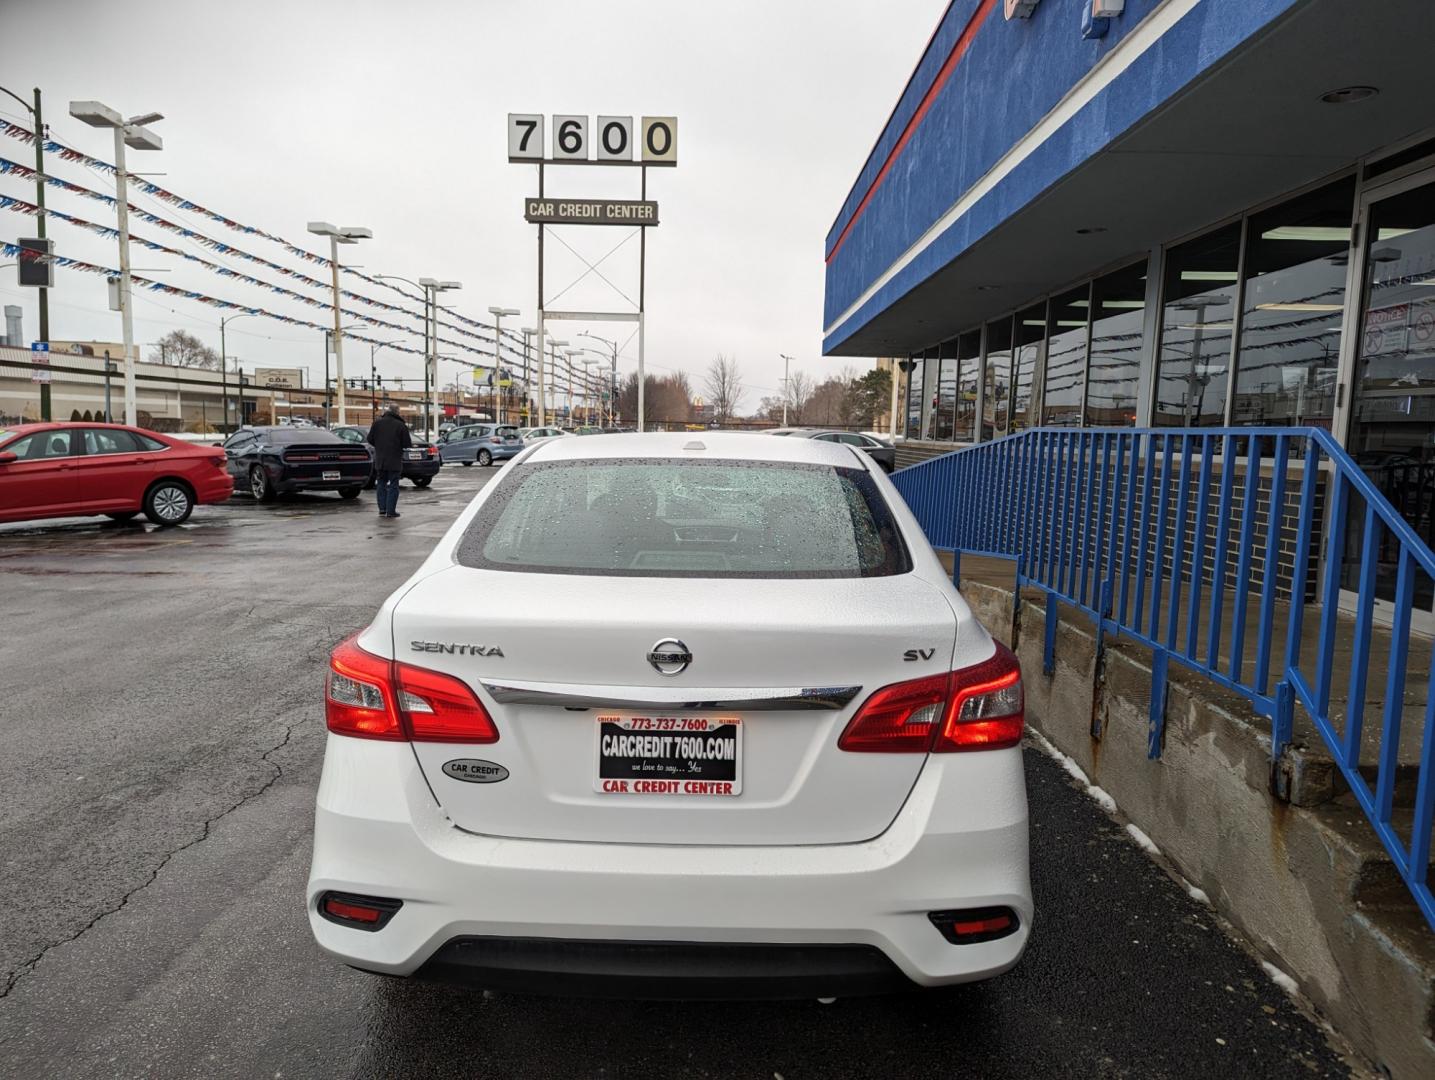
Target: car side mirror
[[7, 456]]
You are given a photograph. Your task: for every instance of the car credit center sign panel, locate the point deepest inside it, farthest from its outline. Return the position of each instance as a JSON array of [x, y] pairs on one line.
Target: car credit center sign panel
[[541, 211]]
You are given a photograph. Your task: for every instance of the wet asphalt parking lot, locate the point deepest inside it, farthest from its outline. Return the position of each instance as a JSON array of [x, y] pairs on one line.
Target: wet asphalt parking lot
[[162, 728]]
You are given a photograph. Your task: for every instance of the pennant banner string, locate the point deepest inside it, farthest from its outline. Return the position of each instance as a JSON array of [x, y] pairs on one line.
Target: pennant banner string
[[20, 206], [12, 250], [66, 153], [12, 167]]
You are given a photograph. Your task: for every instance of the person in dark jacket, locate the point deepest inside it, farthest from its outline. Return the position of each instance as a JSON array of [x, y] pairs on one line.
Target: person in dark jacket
[[389, 436]]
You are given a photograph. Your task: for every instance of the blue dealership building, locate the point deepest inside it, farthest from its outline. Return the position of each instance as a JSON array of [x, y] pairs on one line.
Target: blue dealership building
[[1163, 272], [1189, 213]]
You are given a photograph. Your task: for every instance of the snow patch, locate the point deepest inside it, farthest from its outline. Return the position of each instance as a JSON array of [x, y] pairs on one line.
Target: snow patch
[[1067, 763], [1198, 895], [1102, 797], [1143, 841], [1280, 978]]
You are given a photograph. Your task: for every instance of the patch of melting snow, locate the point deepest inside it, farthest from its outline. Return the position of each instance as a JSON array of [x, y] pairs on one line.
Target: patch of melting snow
[[1102, 797], [1106, 802], [1142, 840], [1280, 978]]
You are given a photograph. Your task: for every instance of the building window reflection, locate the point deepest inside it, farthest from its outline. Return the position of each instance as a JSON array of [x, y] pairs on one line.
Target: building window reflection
[[1029, 332], [996, 380], [1193, 364], [1295, 267], [946, 406], [969, 353], [1068, 321], [912, 425], [1118, 310], [929, 391]]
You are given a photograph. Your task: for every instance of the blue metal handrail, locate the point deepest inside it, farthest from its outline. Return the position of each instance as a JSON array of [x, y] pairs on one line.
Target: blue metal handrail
[[1126, 524]]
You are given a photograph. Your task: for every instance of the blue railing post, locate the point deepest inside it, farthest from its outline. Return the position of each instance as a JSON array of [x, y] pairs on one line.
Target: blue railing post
[[1083, 512], [1156, 732]]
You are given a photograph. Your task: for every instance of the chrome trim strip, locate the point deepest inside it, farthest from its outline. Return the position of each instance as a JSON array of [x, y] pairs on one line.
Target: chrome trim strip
[[740, 699]]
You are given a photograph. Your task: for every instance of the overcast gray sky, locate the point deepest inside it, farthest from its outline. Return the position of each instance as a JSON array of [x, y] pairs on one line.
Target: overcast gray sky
[[392, 115]]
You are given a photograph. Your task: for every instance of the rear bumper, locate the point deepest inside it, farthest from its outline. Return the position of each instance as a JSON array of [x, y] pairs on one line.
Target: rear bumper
[[214, 489], [691, 971], [287, 481], [421, 468], [959, 842]]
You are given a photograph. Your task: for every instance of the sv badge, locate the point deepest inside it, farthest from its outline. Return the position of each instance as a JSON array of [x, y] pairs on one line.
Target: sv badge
[[919, 654]]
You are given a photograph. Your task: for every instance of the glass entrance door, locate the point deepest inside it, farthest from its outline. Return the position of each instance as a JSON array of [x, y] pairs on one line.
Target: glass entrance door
[[1392, 410]]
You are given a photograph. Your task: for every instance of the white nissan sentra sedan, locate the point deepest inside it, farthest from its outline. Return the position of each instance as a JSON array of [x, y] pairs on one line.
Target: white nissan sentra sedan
[[676, 715]]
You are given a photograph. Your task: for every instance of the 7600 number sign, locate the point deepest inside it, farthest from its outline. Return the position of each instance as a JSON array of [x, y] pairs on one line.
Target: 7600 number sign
[[612, 139]]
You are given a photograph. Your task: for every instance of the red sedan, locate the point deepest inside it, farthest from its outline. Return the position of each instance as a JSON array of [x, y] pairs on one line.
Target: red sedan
[[70, 470]]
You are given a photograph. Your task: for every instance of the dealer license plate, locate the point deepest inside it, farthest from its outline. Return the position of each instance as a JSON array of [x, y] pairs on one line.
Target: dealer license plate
[[669, 755], [331, 474]]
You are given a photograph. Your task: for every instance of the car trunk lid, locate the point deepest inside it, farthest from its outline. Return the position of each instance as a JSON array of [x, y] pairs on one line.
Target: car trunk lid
[[788, 661]]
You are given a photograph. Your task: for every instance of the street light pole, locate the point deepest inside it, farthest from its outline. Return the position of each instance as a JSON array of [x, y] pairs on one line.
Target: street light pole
[[133, 133], [528, 333], [431, 288], [349, 234], [553, 346], [224, 367], [568, 355], [786, 361], [109, 367], [40, 227], [613, 385], [498, 313]]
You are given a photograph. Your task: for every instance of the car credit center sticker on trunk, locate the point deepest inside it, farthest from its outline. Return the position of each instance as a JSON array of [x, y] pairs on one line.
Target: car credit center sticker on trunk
[[669, 755]]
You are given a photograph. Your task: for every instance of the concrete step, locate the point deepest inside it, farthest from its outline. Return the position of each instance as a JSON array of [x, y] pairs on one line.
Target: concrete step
[[1375, 883]]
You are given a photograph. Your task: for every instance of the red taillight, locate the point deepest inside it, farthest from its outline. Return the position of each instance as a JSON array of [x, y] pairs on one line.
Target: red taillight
[[440, 708], [359, 698], [369, 697], [976, 708], [899, 718], [219, 462]]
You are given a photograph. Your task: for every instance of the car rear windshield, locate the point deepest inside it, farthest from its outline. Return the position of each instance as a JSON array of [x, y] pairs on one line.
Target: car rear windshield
[[291, 436], [651, 517]]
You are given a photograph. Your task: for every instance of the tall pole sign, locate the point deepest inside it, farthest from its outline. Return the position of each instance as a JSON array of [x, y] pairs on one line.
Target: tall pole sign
[[610, 140]]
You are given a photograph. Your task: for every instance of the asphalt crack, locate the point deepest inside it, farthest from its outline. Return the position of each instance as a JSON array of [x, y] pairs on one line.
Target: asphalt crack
[[29, 966]]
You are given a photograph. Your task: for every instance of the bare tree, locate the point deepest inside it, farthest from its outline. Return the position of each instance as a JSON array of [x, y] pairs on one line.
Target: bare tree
[[827, 405], [724, 388], [182, 349], [799, 392]]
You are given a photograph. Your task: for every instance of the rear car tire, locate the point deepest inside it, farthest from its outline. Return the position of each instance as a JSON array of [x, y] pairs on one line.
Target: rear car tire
[[422, 481], [122, 515], [260, 486], [168, 502], [485, 458], [350, 492], [465, 464]]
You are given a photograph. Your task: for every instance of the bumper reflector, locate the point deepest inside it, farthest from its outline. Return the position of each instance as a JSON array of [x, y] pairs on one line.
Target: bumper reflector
[[971, 925], [359, 912]]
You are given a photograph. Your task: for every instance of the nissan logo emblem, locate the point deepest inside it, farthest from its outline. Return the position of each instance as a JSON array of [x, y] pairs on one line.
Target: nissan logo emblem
[[670, 657]]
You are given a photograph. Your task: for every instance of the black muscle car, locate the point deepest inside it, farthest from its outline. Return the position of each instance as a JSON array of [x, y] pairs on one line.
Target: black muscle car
[[267, 461]]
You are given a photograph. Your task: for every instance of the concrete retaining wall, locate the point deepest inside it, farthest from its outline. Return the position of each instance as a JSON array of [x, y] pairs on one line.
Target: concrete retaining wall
[[1308, 886]]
